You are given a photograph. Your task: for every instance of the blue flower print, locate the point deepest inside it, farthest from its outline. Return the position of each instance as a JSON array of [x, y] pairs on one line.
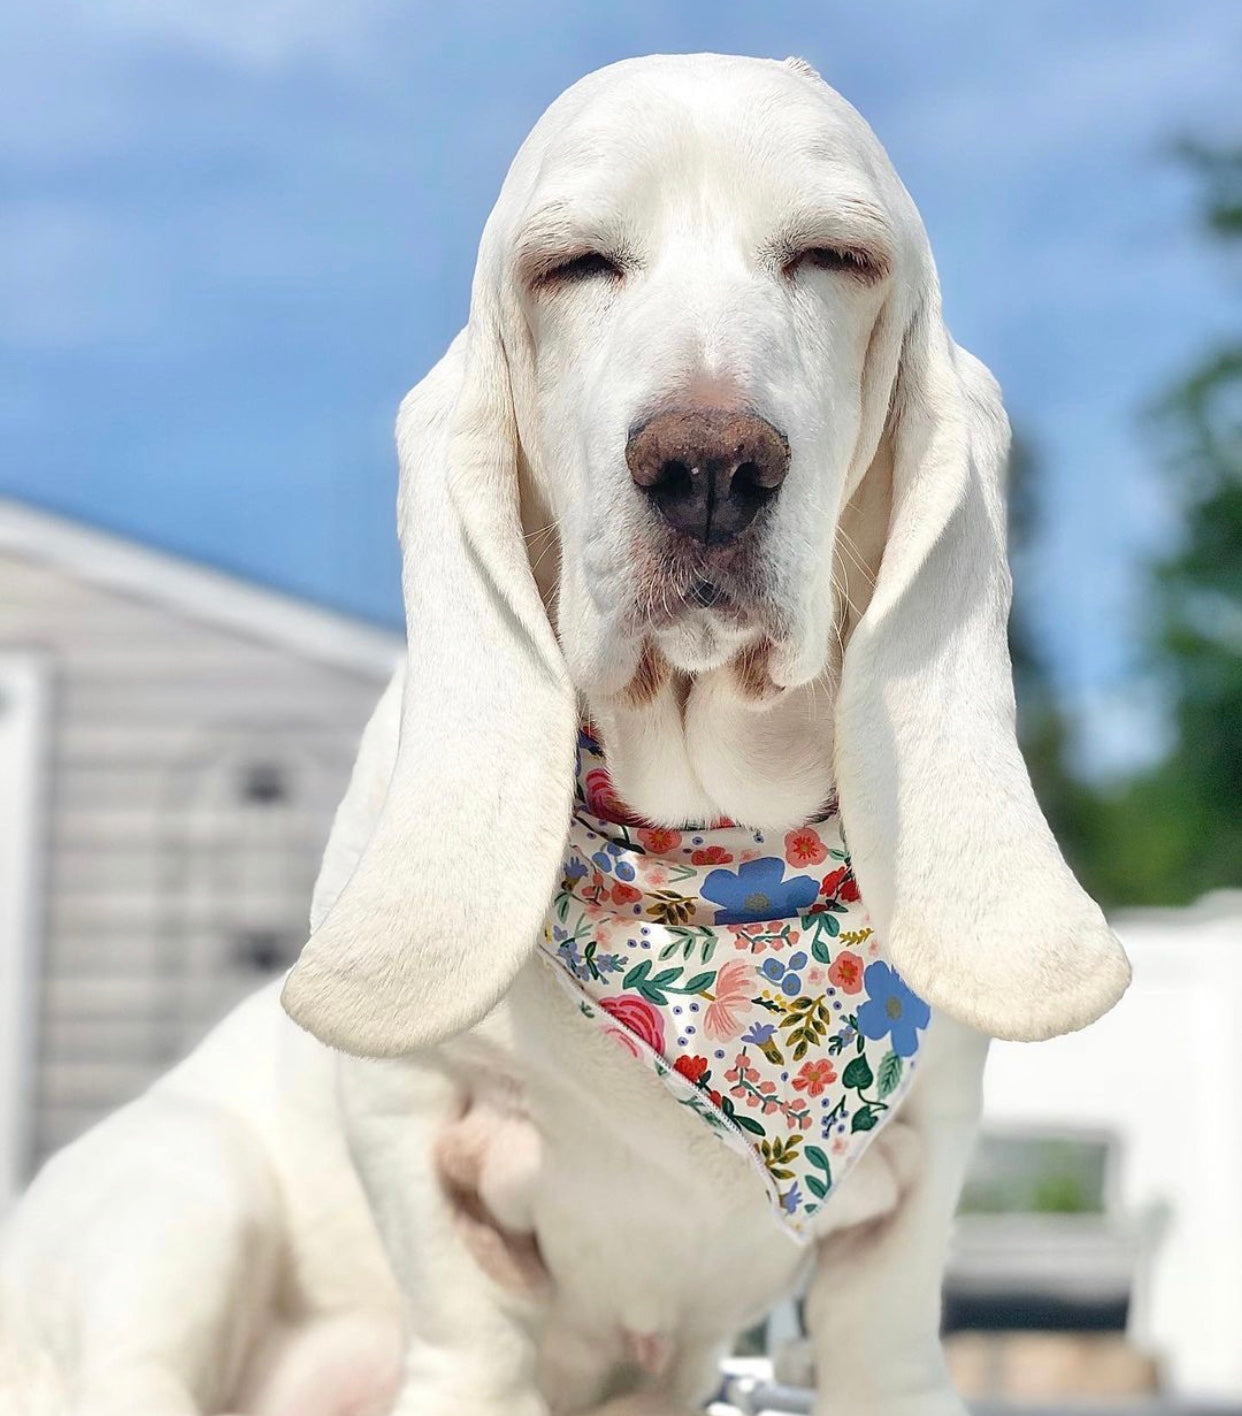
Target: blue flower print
[[573, 960], [755, 892], [791, 1199], [575, 869], [759, 1033], [891, 1009], [785, 973]]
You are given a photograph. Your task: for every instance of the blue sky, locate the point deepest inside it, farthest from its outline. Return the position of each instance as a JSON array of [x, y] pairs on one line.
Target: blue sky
[[233, 232]]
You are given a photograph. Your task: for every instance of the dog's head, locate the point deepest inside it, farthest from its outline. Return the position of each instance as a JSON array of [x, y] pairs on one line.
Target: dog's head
[[705, 425]]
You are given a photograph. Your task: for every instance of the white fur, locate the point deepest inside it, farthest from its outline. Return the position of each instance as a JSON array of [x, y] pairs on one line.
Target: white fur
[[267, 1226]]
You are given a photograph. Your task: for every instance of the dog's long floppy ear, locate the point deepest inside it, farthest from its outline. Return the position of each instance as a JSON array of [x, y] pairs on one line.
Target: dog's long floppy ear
[[977, 908], [446, 900]]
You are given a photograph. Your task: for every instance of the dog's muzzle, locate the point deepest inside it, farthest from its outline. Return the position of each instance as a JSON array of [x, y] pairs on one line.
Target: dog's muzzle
[[708, 472]]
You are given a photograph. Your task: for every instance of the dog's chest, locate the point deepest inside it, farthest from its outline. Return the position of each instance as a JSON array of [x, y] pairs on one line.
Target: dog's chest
[[648, 1224]]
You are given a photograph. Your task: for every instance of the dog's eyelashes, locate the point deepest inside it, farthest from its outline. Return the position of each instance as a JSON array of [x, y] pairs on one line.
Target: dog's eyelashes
[[588, 265], [846, 260]]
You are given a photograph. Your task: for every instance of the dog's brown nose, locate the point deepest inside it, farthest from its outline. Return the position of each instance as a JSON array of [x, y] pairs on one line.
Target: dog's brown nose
[[708, 471]]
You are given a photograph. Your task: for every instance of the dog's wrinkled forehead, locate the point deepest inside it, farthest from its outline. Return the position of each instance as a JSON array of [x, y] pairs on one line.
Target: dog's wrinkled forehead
[[630, 137]]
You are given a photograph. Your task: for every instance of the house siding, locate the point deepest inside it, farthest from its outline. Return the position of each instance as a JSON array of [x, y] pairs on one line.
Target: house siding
[[193, 775]]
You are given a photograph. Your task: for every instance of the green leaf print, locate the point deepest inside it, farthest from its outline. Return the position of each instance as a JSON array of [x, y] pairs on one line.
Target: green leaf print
[[890, 1075], [817, 1158], [858, 1074], [637, 974], [864, 1119]]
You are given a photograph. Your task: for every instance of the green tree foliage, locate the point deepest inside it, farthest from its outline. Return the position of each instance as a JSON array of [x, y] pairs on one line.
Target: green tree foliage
[[1199, 587], [1171, 834]]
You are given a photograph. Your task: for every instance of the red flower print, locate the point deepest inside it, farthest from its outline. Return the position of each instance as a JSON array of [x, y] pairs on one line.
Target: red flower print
[[711, 855], [725, 1015], [659, 840], [846, 972], [694, 1069], [638, 1016], [803, 847], [623, 894], [840, 884], [828, 885], [815, 1076]]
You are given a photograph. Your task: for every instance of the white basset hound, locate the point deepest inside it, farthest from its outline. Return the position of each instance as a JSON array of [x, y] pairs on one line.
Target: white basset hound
[[706, 471]]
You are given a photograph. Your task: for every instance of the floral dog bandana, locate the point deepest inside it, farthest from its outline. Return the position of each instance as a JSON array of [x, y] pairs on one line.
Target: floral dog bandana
[[745, 971]]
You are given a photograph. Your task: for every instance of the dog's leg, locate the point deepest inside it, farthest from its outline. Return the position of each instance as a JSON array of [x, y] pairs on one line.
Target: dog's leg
[[144, 1257], [471, 1340], [873, 1308]]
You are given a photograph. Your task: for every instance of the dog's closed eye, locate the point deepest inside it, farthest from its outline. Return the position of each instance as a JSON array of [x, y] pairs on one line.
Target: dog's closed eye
[[848, 260], [586, 265]]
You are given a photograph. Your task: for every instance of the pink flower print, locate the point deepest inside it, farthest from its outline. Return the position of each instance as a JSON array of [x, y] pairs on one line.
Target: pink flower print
[[638, 1016], [803, 847], [744, 939], [758, 937], [725, 1015], [814, 1076], [846, 972], [741, 1071], [596, 890]]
